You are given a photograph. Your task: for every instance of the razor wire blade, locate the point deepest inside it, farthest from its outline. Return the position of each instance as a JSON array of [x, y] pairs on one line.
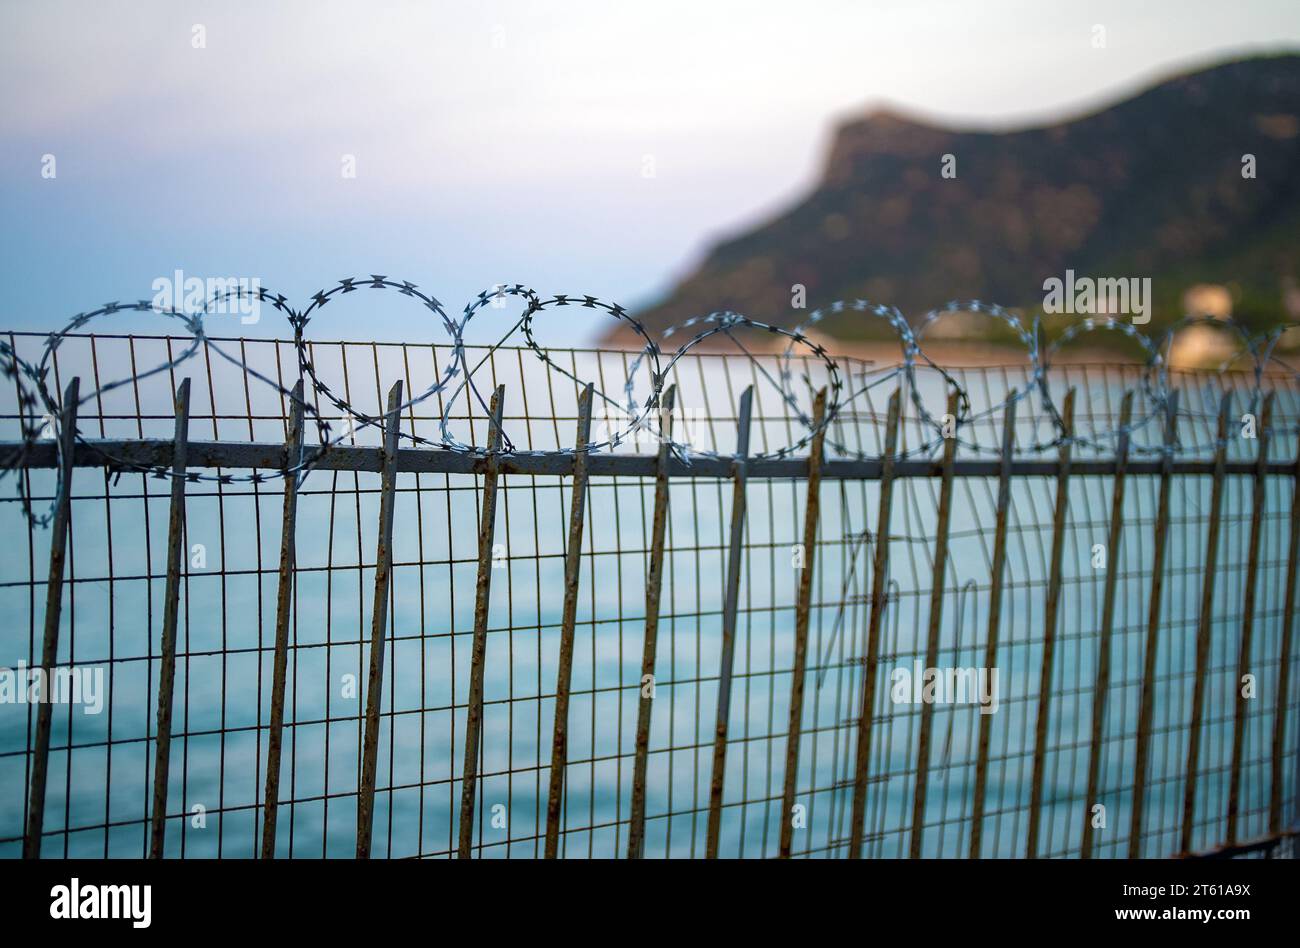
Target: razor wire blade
[[40, 410]]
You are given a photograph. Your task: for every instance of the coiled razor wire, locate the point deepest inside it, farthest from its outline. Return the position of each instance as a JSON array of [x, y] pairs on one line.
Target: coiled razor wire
[[726, 323], [40, 410]]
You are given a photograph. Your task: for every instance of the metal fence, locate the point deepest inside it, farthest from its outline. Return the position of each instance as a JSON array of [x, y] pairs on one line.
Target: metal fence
[[647, 651]]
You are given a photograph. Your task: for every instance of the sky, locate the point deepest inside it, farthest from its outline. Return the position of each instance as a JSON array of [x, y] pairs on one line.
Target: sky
[[576, 147]]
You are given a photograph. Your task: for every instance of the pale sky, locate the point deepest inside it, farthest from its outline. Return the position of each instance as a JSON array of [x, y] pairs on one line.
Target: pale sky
[[498, 141]]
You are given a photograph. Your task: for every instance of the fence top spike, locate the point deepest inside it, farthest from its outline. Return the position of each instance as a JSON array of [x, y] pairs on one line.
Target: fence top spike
[[1009, 426], [496, 414], [496, 408], [744, 415], [585, 405], [395, 395]]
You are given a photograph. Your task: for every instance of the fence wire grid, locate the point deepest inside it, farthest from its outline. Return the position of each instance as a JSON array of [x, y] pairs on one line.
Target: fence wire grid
[[916, 791]]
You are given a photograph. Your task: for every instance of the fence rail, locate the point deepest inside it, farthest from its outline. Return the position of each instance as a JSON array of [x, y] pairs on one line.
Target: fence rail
[[727, 647]]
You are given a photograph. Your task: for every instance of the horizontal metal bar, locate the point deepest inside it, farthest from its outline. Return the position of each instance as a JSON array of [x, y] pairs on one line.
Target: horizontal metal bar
[[271, 456]]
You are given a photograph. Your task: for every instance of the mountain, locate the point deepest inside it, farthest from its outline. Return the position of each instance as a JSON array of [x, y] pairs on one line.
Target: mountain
[[1150, 187]]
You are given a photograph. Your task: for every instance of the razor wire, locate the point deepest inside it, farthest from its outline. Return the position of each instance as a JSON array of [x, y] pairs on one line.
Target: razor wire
[[40, 410]]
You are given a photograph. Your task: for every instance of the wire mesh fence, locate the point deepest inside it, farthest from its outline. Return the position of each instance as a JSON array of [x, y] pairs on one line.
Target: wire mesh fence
[[1110, 677]]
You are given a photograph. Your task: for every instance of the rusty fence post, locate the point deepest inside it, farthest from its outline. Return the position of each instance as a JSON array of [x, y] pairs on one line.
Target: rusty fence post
[[997, 576], [167, 671], [1242, 709], [283, 604], [53, 613], [1101, 688], [482, 597], [1050, 613], [653, 592], [879, 602], [802, 617], [1280, 706], [379, 622], [1148, 702], [932, 637], [564, 677], [1205, 625], [735, 553]]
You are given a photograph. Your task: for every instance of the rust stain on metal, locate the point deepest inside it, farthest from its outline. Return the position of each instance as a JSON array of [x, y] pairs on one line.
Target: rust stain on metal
[[378, 624], [283, 605], [478, 656], [1101, 687], [564, 678], [1147, 708], [1242, 709], [879, 602], [1204, 625], [802, 615], [994, 622], [1059, 514], [932, 637], [653, 593], [171, 601], [735, 553], [53, 608], [1284, 668]]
